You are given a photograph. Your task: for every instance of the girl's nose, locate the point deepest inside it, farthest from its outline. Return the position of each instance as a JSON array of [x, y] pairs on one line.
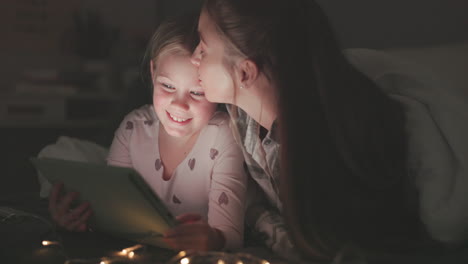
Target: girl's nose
[[196, 56], [180, 102]]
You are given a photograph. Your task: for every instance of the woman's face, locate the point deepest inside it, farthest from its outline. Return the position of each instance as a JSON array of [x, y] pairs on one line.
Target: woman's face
[[215, 74]]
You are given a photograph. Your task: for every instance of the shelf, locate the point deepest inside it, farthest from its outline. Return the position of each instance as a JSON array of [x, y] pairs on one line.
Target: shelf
[[55, 110]]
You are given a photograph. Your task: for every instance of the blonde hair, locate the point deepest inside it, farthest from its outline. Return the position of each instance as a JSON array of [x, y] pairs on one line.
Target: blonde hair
[[175, 36]]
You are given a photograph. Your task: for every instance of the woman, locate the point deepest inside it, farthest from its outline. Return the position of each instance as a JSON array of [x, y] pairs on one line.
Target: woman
[[324, 143]]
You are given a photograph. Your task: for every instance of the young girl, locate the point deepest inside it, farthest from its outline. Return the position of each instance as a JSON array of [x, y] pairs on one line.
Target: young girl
[[184, 149], [312, 128]]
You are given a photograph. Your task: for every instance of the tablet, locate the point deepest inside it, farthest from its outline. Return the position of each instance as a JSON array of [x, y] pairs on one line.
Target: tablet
[[123, 204]]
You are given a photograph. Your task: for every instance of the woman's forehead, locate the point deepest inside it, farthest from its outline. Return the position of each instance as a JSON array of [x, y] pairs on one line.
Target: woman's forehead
[[205, 24]]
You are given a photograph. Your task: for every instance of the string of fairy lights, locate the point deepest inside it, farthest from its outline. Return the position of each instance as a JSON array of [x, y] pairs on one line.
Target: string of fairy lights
[[134, 254], [131, 254]]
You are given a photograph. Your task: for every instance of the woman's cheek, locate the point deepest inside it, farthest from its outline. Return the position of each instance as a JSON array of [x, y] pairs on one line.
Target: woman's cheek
[[225, 82], [217, 82]]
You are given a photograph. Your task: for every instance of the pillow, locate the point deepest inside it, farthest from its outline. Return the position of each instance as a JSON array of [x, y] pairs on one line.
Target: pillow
[[437, 128], [448, 62], [69, 148]]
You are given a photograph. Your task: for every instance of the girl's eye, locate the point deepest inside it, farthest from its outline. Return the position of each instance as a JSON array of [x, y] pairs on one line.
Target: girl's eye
[[197, 93], [167, 86]]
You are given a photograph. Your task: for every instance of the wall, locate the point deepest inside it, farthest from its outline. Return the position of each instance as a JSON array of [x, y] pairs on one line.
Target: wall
[[383, 23], [37, 34], [398, 23], [174, 7], [34, 33]]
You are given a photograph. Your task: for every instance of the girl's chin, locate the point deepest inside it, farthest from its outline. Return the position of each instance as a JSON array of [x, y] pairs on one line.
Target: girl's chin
[[177, 133]]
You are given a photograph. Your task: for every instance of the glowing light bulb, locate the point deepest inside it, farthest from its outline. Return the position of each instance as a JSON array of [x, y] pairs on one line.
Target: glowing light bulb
[[130, 251], [48, 243], [185, 261], [220, 261]]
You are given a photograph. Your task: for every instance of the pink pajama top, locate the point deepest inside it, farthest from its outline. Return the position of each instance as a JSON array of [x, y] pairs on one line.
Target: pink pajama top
[[210, 180]]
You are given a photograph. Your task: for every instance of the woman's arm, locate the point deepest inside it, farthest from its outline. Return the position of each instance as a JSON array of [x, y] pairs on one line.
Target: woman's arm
[[268, 224]]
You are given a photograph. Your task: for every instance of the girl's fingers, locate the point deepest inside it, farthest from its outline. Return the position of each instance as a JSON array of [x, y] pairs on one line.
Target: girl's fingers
[[55, 196], [59, 208], [196, 236], [76, 212], [188, 224], [176, 231], [65, 203], [189, 229], [187, 234], [188, 218], [180, 238], [78, 223], [182, 242], [187, 243]]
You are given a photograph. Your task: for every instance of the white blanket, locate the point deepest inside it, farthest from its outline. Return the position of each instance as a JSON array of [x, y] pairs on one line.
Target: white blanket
[[70, 149], [438, 138]]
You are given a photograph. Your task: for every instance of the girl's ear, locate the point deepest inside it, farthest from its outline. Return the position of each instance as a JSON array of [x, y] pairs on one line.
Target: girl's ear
[[248, 73]]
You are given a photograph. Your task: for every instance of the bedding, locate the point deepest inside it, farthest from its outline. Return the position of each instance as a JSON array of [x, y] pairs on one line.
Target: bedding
[[70, 148], [437, 126]]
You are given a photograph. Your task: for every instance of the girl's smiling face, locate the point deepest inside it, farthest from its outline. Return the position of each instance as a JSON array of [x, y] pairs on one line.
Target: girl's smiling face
[[178, 98], [216, 74]]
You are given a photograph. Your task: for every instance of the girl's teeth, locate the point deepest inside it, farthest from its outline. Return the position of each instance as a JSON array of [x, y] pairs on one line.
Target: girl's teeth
[[177, 119]]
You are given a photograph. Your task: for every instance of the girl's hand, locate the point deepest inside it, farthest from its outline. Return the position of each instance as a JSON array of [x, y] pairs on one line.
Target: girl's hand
[[60, 209], [194, 234]]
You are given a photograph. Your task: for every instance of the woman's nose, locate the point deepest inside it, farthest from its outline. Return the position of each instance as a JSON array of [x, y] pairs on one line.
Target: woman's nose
[[196, 55]]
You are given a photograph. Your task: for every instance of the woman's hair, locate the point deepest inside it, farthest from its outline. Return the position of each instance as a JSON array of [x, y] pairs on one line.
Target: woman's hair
[[343, 142], [177, 35]]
